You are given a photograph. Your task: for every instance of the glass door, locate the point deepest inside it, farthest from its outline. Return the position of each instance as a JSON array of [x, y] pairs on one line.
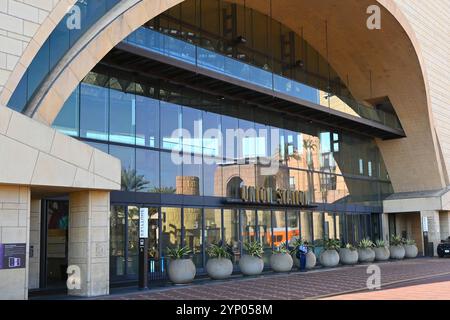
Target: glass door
[[57, 216]]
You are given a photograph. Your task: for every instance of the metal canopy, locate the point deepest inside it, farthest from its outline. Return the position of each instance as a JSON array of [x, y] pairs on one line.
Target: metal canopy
[[130, 58]]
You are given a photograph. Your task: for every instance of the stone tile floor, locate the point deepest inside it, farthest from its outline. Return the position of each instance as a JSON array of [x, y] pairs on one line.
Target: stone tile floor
[[319, 283]]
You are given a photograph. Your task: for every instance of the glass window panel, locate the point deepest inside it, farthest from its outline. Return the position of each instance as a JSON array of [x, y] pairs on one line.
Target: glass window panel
[[192, 130], [169, 173], [212, 138], [248, 225], [38, 69], [127, 156], [318, 226], [147, 122], [229, 128], [306, 223], [279, 228], [171, 228], [19, 98], [117, 241], [171, 124], [213, 227], [67, 120], [147, 170], [59, 42], [293, 220], [212, 177], [193, 234], [231, 232], [122, 118], [329, 231], [192, 175], [265, 234], [94, 112]]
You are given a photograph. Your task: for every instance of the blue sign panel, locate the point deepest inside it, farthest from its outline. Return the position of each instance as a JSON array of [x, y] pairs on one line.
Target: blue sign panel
[[13, 256]]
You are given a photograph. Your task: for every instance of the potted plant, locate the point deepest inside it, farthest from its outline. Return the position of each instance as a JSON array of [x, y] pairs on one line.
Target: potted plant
[[251, 263], [330, 256], [281, 260], [411, 249], [365, 251], [396, 248], [348, 254], [181, 270], [381, 249], [219, 265], [311, 259]]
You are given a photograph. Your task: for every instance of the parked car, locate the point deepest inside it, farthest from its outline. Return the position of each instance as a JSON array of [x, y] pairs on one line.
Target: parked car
[[443, 248]]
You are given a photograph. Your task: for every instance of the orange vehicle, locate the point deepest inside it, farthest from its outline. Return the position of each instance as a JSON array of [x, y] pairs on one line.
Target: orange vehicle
[[278, 237]]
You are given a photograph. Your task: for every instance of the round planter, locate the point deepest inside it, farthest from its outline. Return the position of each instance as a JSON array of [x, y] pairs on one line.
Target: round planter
[[219, 269], [281, 262], [329, 258], [181, 271], [366, 255], [382, 254], [348, 257], [311, 260], [411, 251], [250, 265], [397, 252]]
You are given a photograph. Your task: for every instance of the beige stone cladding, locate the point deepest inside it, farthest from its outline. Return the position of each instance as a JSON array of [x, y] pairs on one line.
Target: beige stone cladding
[[14, 229]]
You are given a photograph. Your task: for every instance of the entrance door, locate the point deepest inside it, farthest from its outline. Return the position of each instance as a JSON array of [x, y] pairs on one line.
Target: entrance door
[[55, 244], [156, 266]]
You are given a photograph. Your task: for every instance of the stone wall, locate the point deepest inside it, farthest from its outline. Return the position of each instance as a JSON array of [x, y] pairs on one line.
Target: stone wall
[[14, 228]]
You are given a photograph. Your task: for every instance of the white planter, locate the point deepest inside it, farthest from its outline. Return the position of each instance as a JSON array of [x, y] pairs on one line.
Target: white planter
[[348, 257], [281, 262], [411, 251], [382, 253], [366, 255], [250, 265], [181, 271], [311, 260], [397, 252], [219, 269], [329, 258]]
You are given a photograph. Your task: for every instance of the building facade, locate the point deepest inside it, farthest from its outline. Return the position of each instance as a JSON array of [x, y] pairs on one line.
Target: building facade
[[230, 120]]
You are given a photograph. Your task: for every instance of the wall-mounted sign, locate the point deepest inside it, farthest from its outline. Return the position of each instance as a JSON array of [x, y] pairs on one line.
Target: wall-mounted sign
[[424, 224], [143, 223], [13, 256], [271, 196]]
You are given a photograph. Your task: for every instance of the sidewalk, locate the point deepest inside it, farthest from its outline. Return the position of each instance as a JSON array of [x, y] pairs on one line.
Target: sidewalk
[[320, 283]]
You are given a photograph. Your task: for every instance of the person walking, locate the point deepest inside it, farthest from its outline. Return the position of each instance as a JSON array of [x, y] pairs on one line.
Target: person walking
[[302, 250]]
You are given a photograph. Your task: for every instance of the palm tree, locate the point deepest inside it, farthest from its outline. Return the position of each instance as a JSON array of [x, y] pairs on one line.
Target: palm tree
[[132, 181], [165, 190]]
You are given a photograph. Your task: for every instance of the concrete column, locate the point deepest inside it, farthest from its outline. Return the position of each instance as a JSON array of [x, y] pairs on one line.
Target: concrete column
[[444, 222], [35, 244], [434, 233], [14, 229], [89, 241]]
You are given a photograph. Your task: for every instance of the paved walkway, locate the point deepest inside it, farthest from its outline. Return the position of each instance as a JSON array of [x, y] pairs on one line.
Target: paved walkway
[[320, 283], [435, 288]]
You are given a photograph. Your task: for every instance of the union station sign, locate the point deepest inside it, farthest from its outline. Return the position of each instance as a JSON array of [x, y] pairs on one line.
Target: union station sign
[[260, 195]]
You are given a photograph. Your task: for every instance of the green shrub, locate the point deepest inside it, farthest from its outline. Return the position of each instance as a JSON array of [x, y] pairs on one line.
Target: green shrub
[[410, 242], [365, 243], [254, 248], [178, 252], [281, 249], [218, 252], [380, 244], [396, 240], [331, 244]]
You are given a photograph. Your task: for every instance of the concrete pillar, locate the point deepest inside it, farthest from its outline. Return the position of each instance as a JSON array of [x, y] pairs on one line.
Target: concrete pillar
[[434, 233], [89, 241], [35, 244], [444, 222], [14, 229]]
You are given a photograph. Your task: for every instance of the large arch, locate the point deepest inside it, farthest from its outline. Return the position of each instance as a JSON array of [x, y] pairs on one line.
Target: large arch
[[391, 57]]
